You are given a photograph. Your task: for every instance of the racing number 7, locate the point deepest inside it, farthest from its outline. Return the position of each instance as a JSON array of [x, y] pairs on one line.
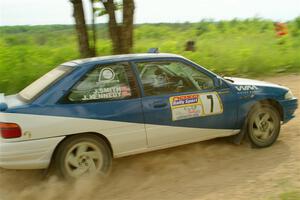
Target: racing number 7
[[211, 98]]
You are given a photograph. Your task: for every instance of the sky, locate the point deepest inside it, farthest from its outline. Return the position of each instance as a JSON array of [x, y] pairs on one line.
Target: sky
[[38, 12]]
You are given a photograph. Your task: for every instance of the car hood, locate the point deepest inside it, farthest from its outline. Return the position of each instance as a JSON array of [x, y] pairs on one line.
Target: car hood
[[250, 82]]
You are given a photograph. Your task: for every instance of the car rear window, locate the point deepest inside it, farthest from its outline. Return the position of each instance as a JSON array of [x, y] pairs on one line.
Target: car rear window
[[35, 88], [104, 83]]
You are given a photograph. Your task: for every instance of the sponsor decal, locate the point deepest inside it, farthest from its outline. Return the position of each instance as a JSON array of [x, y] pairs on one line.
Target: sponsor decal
[[108, 93], [107, 73], [246, 87], [186, 106], [195, 105], [184, 100]]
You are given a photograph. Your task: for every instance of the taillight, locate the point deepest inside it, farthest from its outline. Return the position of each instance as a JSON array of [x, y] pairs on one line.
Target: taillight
[[10, 130]]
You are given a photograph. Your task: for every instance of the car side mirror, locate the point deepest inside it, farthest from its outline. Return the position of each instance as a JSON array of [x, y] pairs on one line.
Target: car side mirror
[[218, 82]]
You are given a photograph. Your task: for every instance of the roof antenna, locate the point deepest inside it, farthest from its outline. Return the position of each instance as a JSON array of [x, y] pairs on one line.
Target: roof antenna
[[153, 50]]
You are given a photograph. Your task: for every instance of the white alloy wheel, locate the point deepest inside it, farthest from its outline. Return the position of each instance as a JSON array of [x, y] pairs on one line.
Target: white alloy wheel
[[82, 154], [84, 157], [263, 125]]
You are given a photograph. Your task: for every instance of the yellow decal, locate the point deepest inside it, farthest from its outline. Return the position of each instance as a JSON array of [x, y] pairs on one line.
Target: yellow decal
[[195, 105], [186, 106]]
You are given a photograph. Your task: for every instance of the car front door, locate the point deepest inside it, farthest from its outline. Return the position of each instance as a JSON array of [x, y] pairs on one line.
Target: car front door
[[181, 104]]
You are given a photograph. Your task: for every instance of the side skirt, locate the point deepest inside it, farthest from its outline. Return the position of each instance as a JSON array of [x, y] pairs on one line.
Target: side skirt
[[144, 150]]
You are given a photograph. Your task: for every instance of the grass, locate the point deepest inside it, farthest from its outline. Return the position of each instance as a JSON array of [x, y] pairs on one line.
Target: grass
[[293, 195], [244, 48]]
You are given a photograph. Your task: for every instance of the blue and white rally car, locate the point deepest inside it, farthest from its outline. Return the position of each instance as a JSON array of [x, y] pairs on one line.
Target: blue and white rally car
[[83, 113]]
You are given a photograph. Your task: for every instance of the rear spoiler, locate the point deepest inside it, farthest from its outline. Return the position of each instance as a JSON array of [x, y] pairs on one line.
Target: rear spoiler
[[3, 105]]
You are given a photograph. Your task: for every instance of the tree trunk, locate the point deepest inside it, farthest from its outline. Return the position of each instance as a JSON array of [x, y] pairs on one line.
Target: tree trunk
[[94, 32], [82, 34], [114, 29], [121, 34], [127, 27]]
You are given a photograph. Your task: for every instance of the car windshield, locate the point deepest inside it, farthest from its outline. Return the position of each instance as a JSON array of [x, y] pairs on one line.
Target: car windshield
[[35, 88]]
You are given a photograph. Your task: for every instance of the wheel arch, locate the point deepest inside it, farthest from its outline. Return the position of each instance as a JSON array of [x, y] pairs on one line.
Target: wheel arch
[[241, 136], [271, 102], [99, 135]]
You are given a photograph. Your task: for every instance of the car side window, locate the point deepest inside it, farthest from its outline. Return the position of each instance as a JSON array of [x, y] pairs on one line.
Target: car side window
[[166, 77], [104, 83]]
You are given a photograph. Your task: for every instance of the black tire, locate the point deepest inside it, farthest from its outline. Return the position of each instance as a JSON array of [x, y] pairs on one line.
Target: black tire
[[263, 125], [86, 153]]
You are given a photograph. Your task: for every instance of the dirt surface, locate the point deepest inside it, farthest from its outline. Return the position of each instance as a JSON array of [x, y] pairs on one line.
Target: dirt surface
[[213, 169]]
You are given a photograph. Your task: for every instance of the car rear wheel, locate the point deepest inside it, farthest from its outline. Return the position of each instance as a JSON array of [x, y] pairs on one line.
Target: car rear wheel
[[263, 125], [82, 154]]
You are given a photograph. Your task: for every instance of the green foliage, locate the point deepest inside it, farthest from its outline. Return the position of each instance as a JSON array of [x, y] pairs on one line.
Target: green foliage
[[101, 11], [237, 47], [294, 195]]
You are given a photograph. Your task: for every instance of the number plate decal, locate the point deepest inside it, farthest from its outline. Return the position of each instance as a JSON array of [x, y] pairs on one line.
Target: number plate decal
[[195, 105]]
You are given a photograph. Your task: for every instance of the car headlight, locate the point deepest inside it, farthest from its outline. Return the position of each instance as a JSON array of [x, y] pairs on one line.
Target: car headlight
[[289, 95]]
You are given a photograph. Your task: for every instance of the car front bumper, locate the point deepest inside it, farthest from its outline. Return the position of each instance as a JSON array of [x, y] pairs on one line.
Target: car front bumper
[[32, 154], [289, 107]]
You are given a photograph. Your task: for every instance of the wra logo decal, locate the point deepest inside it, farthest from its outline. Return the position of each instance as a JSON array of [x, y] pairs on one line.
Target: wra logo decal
[[246, 87]]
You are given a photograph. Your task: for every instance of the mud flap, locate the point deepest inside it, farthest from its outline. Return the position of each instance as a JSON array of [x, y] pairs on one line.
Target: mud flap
[[237, 139]]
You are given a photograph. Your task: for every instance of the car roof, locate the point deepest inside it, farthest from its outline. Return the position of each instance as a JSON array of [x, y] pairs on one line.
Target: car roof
[[119, 58]]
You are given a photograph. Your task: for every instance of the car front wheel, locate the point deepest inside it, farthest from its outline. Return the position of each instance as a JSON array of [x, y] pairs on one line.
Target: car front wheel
[[82, 154], [263, 125]]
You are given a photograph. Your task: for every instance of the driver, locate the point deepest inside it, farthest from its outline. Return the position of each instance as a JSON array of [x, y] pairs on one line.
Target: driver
[[166, 82], [161, 78]]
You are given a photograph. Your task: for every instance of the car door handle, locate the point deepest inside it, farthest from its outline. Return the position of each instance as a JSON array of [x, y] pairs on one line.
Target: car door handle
[[159, 104]]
